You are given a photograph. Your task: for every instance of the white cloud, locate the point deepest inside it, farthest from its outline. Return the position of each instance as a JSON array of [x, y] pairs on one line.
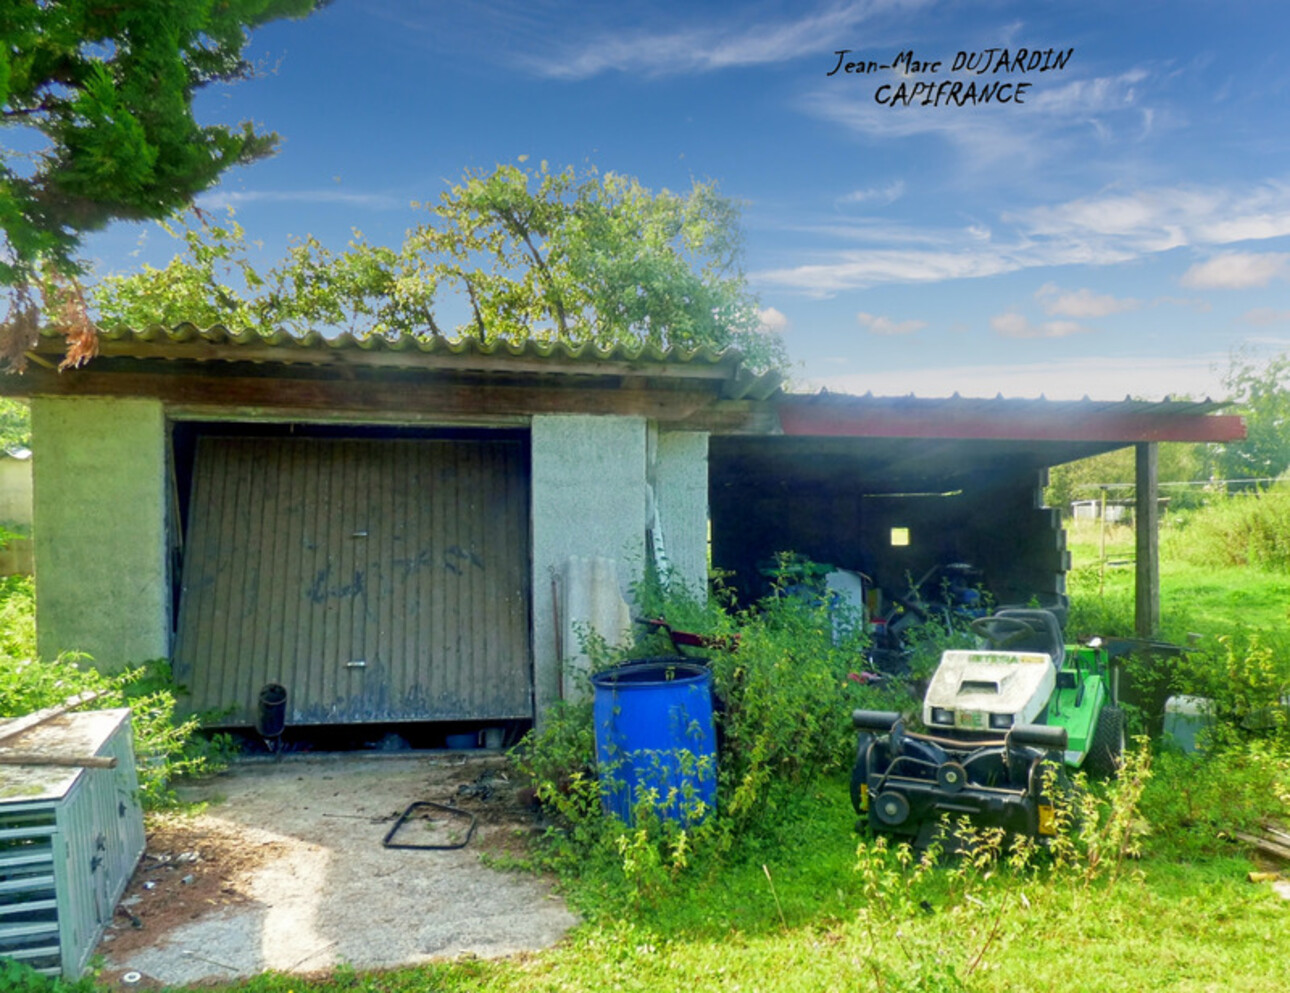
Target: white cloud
[[1160, 218], [885, 325], [372, 201], [1014, 325], [1151, 376], [1238, 271], [1089, 96], [1052, 120], [773, 320], [1083, 303], [710, 47], [876, 195], [1104, 229], [1262, 316]]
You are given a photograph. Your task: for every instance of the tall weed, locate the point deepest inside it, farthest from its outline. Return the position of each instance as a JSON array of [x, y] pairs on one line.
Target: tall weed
[[1244, 529], [783, 686], [164, 746], [1241, 776]]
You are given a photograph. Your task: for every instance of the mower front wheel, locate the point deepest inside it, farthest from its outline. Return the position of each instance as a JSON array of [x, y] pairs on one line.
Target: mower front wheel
[[1106, 753]]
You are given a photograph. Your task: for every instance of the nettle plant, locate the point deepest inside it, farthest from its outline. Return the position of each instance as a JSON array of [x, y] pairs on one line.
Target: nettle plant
[[165, 746], [783, 693]]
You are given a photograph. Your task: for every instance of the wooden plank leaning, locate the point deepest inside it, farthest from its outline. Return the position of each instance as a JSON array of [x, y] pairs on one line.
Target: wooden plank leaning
[[73, 761]]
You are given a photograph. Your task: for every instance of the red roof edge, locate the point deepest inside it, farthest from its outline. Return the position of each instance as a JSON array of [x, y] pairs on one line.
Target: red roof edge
[[1022, 420]]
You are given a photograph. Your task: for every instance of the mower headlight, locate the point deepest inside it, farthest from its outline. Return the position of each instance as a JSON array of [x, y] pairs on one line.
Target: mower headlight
[[940, 715], [1001, 721]]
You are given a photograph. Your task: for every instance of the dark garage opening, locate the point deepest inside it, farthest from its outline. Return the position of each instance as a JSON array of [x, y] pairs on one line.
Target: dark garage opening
[[838, 501]]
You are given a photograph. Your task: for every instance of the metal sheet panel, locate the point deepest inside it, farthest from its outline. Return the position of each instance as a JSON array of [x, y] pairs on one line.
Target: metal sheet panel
[[377, 580]]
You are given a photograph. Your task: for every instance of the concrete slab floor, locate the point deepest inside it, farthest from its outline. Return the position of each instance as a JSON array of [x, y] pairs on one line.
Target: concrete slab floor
[[285, 870]]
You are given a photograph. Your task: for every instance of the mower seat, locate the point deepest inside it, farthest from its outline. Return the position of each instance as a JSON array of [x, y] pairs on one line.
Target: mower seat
[[1046, 633]]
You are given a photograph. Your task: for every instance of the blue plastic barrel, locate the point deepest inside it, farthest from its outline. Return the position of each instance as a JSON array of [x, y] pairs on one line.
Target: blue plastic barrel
[[654, 733]]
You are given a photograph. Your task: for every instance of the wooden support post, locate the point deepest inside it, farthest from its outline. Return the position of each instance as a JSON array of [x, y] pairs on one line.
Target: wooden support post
[[1147, 528]]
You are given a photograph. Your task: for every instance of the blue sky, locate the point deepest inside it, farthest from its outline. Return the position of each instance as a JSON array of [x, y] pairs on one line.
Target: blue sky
[[1122, 230]]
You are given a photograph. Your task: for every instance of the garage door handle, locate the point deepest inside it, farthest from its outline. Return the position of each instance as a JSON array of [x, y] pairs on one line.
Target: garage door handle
[[356, 664]]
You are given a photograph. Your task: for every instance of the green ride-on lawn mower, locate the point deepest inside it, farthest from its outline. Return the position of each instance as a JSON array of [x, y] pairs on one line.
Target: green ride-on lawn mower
[[996, 718]]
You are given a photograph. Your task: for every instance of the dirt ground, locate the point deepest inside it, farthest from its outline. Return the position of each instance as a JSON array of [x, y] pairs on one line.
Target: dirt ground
[[285, 869]]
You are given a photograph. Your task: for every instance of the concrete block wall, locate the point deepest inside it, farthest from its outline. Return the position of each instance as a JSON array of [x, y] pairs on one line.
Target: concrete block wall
[[679, 477], [99, 528], [588, 499]]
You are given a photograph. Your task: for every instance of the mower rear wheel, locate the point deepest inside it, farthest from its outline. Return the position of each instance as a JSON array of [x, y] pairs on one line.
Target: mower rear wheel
[[1107, 750]]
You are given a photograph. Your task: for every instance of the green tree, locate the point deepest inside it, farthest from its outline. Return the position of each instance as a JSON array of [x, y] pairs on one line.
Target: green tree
[[15, 424], [523, 253], [1178, 462], [103, 93], [1262, 396]]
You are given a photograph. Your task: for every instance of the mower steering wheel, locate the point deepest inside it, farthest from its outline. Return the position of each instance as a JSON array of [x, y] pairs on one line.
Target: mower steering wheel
[[1001, 631]]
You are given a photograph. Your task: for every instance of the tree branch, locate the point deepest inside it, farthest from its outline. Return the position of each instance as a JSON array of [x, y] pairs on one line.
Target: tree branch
[[474, 305], [522, 231]]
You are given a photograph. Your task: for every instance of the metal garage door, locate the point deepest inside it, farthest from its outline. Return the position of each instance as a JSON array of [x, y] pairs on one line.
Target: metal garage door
[[378, 580]]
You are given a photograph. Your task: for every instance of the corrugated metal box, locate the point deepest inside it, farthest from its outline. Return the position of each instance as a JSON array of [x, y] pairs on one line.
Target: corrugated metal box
[[69, 840]]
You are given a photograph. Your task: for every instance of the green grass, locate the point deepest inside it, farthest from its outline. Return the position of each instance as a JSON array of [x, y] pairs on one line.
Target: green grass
[[793, 914], [1163, 926], [1204, 600]]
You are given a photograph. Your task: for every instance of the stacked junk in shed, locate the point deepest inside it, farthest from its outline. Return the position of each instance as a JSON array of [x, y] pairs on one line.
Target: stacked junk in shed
[[71, 832]]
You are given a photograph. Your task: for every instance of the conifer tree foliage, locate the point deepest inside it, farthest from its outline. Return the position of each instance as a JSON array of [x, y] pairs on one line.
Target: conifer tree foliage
[[96, 102]]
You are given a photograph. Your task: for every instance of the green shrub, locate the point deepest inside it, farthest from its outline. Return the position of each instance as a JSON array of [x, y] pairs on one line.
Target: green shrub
[[784, 696], [164, 747], [1246, 529], [15, 977], [1194, 801], [1241, 776]]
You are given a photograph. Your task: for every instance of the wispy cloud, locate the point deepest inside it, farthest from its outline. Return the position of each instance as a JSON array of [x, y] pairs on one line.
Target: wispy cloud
[[1105, 229], [1015, 325], [879, 196], [861, 269], [876, 324], [708, 47], [1083, 303], [1238, 271], [984, 136], [369, 201], [1264, 316], [1160, 218]]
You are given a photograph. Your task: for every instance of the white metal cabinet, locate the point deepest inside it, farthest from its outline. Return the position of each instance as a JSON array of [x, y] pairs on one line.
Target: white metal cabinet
[[69, 841]]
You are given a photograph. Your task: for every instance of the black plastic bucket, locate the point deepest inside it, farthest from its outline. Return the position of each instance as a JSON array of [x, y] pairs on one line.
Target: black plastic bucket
[[271, 717]]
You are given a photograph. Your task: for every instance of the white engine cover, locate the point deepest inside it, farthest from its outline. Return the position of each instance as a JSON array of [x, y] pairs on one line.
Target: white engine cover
[[976, 684]]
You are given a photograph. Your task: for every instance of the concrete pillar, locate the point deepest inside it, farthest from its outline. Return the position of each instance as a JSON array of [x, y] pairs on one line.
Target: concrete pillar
[[588, 499], [99, 528], [679, 476]]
